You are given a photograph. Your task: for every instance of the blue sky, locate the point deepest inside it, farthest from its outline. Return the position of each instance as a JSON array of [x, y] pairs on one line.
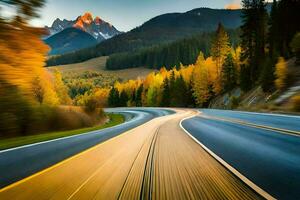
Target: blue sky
[[123, 14]]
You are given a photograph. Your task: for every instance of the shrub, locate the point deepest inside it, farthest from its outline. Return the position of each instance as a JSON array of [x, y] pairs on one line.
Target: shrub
[[68, 118], [281, 73], [8, 124], [234, 102], [296, 103], [90, 105], [16, 111]]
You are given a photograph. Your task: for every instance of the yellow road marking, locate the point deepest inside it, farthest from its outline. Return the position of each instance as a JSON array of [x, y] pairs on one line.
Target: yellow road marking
[[193, 173], [66, 160]]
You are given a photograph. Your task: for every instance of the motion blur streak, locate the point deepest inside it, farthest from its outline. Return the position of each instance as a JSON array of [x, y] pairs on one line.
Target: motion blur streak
[[154, 161]]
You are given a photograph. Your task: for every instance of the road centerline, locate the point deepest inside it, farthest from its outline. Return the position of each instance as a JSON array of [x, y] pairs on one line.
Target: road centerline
[[253, 125]]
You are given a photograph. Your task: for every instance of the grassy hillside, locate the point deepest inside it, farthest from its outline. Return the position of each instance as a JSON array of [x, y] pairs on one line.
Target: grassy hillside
[[98, 65], [91, 78]]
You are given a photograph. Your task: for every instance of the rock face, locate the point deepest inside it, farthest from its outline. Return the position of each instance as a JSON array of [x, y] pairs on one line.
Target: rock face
[[98, 28]]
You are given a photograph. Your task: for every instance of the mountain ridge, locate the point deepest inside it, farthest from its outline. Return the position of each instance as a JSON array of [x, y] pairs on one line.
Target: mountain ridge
[[161, 29], [97, 27], [68, 40]]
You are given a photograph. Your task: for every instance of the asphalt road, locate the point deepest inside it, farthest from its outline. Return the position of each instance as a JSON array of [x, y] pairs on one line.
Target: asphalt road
[[268, 158], [289, 122], [156, 160], [18, 163]]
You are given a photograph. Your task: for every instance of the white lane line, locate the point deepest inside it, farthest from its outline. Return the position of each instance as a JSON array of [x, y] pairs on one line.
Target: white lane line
[[70, 158], [254, 113], [139, 113], [252, 185]]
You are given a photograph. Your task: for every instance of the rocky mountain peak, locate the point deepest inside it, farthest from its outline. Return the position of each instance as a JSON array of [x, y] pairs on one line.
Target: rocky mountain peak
[[98, 28], [98, 20]]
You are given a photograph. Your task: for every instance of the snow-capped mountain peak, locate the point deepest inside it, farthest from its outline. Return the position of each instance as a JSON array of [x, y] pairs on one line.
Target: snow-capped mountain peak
[[98, 28]]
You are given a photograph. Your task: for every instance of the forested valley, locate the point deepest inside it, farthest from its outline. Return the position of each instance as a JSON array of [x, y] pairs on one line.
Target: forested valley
[[190, 72], [259, 58]]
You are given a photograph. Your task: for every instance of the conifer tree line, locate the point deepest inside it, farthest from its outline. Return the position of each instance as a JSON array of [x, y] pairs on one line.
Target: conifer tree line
[[183, 51], [183, 86], [266, 38], [164, 88]]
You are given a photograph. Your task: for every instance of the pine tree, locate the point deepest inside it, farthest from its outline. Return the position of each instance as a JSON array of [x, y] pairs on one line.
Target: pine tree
[[138, 98], [123, 99], [274, 31], [133, 97], [110, 99], [113, 97], [220, 48], [267, 76], [229, 75], [172, 88], [165, 101], [190, 98], [179, 98], [253, 38], [245, 78], [295, 45], [288, 22]]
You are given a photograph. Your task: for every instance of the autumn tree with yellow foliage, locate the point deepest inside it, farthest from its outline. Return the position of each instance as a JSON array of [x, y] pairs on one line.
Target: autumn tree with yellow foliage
[[219, 51], [182, 87], [201, 81], [281, 73], [30, 95]]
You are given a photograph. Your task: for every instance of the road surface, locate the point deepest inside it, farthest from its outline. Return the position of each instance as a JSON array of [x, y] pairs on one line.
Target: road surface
[[287, 122], [18, 163], [269, 158], [156, 160]]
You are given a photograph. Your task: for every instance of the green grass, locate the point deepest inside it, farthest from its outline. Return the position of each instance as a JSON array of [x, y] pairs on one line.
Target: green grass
[[115, 119], [98, 65]]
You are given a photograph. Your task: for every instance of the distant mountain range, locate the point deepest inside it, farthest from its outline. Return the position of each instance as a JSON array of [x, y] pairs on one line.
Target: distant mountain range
[[97, 28], [161, 29]]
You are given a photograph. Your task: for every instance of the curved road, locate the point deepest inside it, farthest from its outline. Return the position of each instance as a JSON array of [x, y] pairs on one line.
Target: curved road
[[18, 163], [289, 122], [156, 160], [269, 158]]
